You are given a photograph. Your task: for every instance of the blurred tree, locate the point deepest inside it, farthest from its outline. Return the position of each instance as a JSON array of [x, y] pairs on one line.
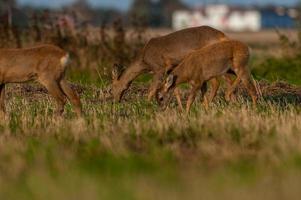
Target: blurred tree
[[12, 20], [6, 7], [82, 11], [156, 12], [7, 3], [141, 9], [169, 7]]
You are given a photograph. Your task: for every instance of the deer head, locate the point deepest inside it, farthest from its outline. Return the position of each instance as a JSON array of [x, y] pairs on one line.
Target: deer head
[[167, 86], [116, 71]]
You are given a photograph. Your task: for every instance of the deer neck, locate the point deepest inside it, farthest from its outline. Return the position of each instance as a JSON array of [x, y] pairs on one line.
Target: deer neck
[[179, 74], [127, 77], [132, 72]]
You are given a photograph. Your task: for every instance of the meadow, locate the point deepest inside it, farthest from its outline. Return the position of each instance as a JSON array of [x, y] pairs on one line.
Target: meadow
[[133, 150]]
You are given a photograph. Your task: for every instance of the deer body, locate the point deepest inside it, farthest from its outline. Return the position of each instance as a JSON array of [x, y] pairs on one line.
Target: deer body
[[210, 62], [174, 46], [46, 64]]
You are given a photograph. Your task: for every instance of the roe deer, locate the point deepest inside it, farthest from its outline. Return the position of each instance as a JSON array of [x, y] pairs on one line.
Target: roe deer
[[174, 46], [214, 82], [207, 63], [46, 64]]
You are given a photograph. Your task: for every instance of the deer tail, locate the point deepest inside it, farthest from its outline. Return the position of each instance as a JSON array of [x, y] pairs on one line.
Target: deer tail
[[65, 60]]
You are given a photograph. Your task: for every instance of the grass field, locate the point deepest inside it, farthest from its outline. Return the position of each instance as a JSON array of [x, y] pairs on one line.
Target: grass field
[[133, 150]]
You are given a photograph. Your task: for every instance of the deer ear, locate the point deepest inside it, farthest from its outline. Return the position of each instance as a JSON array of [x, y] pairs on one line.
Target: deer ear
[[116, 72], [169, 81]]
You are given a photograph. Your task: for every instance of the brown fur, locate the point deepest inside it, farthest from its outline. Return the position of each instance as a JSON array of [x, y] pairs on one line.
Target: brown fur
[[46, 64], [174, 46], [210, 62]]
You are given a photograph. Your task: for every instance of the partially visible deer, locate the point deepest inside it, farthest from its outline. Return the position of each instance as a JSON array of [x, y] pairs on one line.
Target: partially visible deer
[[46, 64], [214, 82], [208, 63], [174, 46]]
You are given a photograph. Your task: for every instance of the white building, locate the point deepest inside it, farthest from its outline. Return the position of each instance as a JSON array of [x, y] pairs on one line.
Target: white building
[[221, 17], [244, 21]]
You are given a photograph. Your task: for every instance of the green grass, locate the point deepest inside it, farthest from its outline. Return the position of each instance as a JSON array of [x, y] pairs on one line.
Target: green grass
[[275, 69], [133, 150]]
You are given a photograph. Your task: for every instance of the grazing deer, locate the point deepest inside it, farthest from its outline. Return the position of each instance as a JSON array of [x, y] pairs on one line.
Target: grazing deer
[[174, 46], [208, 63], [46, 64], [214, 82]]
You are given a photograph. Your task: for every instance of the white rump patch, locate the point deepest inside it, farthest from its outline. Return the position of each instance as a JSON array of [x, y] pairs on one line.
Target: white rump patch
[[65, 60]]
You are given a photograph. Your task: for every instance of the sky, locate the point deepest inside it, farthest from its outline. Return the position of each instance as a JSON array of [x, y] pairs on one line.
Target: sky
[[124, 4]]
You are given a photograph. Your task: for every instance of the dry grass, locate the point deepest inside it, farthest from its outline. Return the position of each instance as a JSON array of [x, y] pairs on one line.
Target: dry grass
[[134, 151]]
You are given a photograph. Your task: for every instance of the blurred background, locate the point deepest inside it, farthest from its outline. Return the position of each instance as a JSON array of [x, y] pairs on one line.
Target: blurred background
[[232, 15], [99, 33]]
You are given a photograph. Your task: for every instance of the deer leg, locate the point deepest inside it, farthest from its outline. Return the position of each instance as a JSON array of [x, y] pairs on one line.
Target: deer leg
[[191, 97], [249, 85], [214, 83], [55, 90], [229, 82], [204, 98], [2, 98], [231, 89], [72, 96], [154, 86], [178, 97]]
